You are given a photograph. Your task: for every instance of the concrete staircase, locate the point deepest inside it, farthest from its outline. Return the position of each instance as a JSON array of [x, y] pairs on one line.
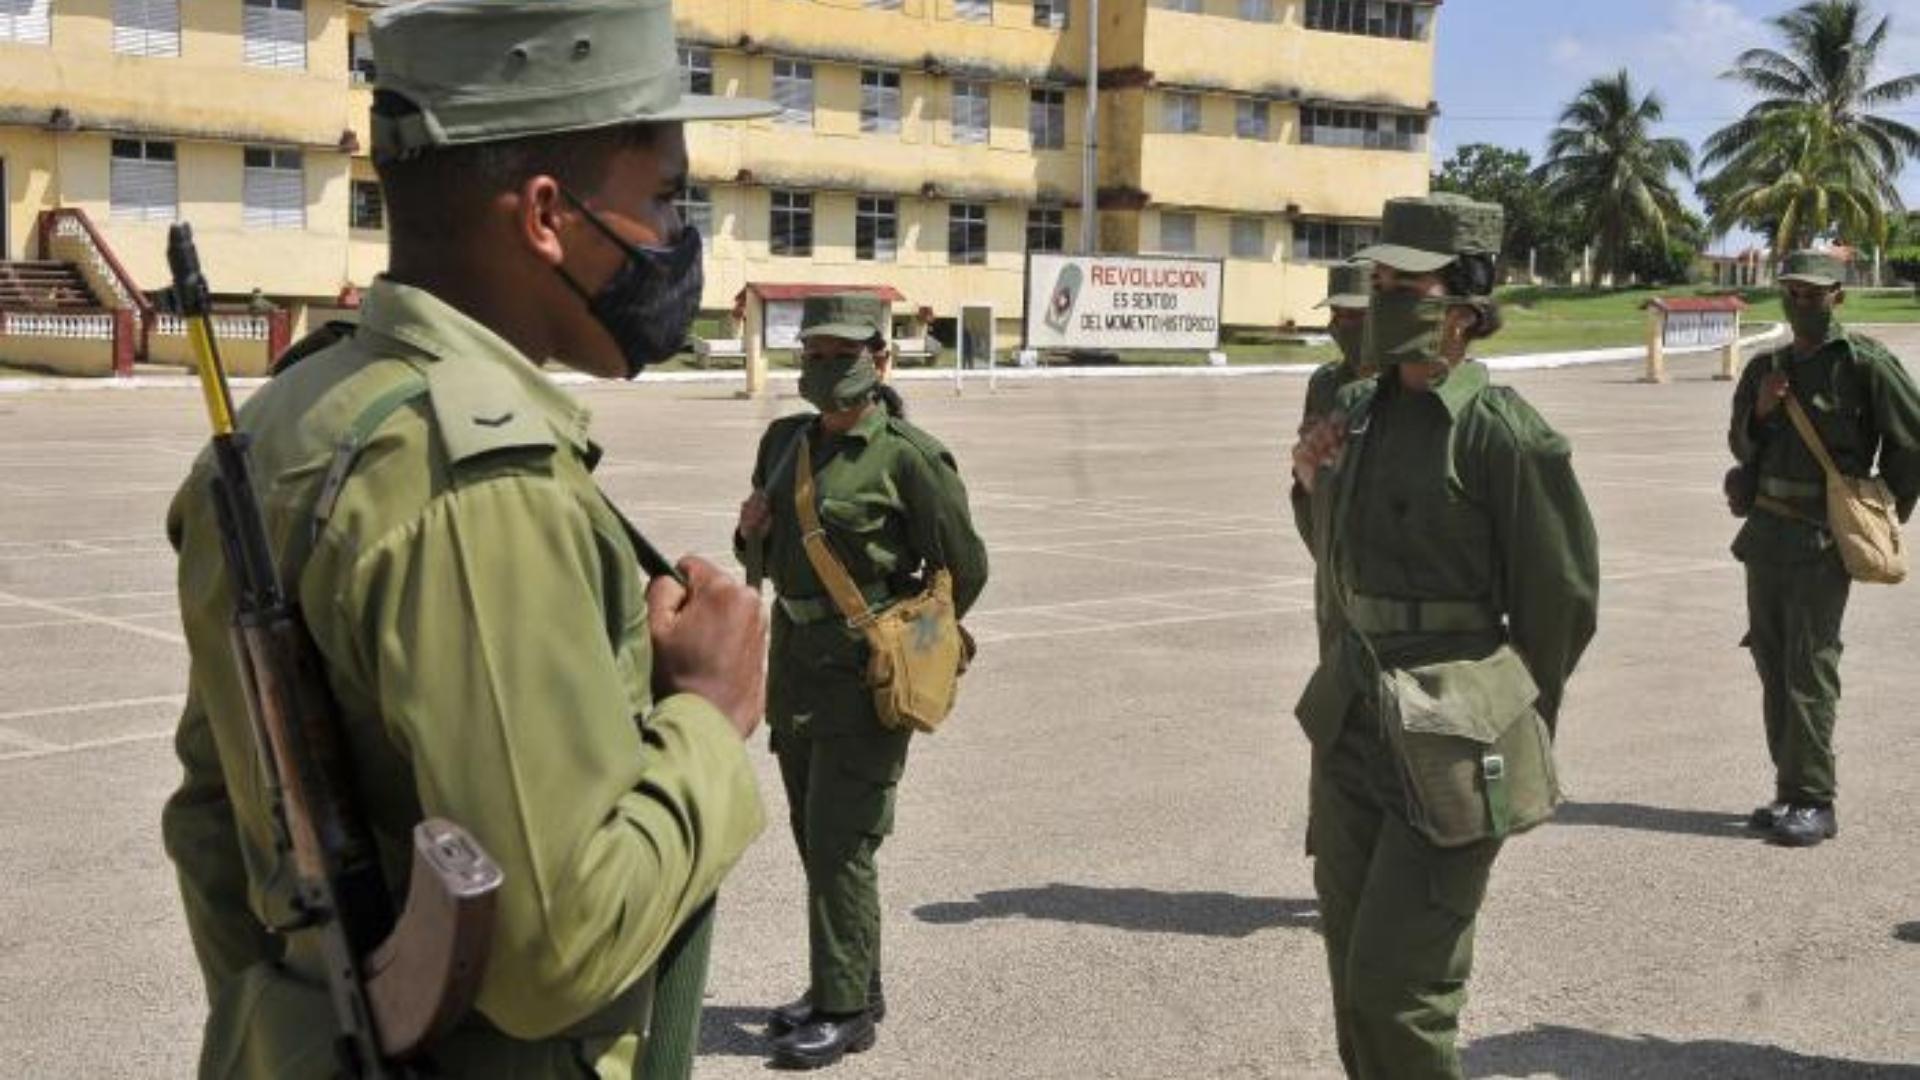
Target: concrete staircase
[[53, 287]]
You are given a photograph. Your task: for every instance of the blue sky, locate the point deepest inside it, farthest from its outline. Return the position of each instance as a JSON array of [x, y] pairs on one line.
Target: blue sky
[[1507, 67]]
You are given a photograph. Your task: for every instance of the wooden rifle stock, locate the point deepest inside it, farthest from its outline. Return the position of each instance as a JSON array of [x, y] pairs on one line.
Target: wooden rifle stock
[[396, 982]]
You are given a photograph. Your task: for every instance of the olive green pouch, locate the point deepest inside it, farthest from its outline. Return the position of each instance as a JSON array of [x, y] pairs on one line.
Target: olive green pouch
[[1475, 755]]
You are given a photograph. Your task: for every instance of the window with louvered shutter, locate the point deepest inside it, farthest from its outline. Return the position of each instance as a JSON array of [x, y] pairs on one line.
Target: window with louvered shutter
[[876, 229], [880, 102], [1047, 118], [1182, 113], [972, 111], [273, 190], [793, 92], [143, 181], [146, 27], [360, 66], [1248, 239], [274, 33], [1177, 232], [26, 22], [973, 10], [695, 206]]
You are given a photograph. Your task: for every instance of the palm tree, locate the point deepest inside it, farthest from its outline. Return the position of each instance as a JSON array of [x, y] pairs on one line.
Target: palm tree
[[1604, 159], [1812, 157]]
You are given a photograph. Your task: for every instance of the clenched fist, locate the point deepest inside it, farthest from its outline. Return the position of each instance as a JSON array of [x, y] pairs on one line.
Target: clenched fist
[[709, 638]]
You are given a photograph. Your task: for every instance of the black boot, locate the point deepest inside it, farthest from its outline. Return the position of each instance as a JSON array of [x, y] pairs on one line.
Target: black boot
[[1764, 818], [1805, 825], [823, 1040], [797, 1012]]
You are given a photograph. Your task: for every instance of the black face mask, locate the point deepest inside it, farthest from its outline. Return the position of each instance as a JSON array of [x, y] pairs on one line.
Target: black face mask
[[649, 304]]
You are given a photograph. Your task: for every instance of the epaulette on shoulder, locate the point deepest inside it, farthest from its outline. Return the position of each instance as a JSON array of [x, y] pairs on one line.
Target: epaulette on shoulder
[[925, 443], [1531, 432], [479, 410], [316, 341]]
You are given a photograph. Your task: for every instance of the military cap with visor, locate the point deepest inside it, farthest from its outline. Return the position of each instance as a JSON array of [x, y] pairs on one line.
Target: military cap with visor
[[1427, 234], [1816, 268], [479, 71], [851, 316], [1349, 285]]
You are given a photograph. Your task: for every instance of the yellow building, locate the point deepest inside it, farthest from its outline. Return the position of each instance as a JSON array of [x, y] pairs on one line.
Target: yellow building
[[925, 144], [929, 144]]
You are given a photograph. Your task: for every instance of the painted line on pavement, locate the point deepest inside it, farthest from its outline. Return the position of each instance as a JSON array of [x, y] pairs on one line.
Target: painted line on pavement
[[83, 747], [100, 620]]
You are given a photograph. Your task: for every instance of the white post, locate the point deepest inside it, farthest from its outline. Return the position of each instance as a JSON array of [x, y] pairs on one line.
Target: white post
[[1656, 345], [1090, 138]]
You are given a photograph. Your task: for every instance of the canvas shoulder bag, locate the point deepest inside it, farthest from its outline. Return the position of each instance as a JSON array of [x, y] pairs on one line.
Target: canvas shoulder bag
[[916, 647], [1860, 513]]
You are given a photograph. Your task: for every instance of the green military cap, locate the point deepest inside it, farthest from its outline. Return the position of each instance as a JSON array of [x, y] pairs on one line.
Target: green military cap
[[487, 70], [1422, 235], [854, 316], [1814, 268], [1349, 285]]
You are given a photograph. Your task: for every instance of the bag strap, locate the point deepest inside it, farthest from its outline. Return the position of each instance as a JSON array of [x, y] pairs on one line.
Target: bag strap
[[813, 537], [347, 451], [1804, 424]]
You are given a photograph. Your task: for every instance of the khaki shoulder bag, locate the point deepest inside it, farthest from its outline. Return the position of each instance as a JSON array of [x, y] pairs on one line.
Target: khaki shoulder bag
[[917, 647], [1860, 513]]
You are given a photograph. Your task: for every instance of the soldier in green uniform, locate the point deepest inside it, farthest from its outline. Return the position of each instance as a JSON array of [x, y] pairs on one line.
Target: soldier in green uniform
[[497, 657], [1459, 529], [1864, 406], [1348, 293], [894, 509]]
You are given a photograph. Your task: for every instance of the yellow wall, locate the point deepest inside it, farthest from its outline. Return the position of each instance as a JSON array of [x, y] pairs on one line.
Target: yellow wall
[[1219, 50], [206, 91], [307, 262], [61, 356], [242, 356], [30, 164]]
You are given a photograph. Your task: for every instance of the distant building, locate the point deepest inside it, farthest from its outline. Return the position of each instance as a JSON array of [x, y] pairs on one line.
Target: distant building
[[925, 144]]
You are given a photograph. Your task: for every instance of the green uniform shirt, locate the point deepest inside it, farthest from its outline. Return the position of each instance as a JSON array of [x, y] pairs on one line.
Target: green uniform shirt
[[891, 501], [483, 621], [1324, 386], [1866, 408], [1463, 494]]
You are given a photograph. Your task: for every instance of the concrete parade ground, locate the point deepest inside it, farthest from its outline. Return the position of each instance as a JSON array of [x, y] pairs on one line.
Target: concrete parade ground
[[1098, 867]]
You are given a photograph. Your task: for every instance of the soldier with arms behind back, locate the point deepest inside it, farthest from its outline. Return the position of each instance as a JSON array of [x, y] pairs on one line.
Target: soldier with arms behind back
[[890, 500], [1863, 405], [496, 656], [1461, 578]]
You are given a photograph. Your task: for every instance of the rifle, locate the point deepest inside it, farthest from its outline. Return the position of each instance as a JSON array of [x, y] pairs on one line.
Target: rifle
[[397, 983]]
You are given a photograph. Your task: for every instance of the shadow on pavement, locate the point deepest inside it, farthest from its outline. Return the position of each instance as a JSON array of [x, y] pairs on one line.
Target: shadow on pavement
[[1908, 932], [1574, 1054], [1654, 819], [733, 1030], [1203, 914]]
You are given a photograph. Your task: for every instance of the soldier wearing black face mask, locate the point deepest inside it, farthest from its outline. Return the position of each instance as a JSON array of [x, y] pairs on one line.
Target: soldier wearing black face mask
[[1864, 407], [498, 656]]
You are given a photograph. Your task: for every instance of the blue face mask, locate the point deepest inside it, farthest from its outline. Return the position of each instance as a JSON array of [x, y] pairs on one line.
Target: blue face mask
[[649, 304]]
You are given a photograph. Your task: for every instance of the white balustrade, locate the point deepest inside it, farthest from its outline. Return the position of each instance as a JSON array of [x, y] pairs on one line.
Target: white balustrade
[[73, 327]]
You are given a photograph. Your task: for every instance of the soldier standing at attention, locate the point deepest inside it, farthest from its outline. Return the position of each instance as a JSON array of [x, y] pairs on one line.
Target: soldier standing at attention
[[497, 658], [1864, 405], [1348, 289], [890, 499], [1447, 515]]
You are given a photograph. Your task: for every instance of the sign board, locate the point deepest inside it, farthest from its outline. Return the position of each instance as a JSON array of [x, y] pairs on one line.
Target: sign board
[[780, 327], [1122, 302], [1699, 329]]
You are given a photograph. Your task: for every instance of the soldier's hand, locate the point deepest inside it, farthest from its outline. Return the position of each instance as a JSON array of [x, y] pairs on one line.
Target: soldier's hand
[[756, 514], [1319, 445], [709, 639], [1773, 390]]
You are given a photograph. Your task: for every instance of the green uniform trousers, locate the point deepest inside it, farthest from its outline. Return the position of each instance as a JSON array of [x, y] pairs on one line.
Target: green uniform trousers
[[1793, 631], [840, 798], [1397, 912]]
